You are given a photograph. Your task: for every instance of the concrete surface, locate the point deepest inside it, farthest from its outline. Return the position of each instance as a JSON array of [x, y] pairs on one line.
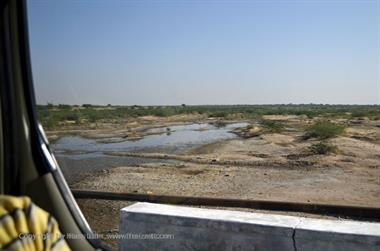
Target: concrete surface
[[188, 228]]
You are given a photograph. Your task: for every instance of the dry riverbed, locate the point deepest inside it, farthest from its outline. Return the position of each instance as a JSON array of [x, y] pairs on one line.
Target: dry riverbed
[[256, 164]]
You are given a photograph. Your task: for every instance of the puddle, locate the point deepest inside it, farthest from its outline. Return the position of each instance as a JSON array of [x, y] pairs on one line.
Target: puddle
[[77, 155], [172, 139]]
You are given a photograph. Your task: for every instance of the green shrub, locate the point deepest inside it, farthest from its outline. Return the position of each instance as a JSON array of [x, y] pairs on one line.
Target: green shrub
[[322, 147], [159, 113], [64, 106], [272, 126], [359, 114], [73, 116], [93, 117], [49, 124], [218, 114], [323, 130]]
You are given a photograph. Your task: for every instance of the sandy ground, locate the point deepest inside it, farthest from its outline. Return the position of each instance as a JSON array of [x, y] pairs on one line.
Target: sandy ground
[[256, 168], [265, 166]]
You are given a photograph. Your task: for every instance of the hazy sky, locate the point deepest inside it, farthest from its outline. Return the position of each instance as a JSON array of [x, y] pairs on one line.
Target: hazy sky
[[205, 52]]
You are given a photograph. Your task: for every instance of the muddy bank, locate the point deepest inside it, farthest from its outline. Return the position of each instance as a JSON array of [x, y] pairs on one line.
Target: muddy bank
[[76, 168]]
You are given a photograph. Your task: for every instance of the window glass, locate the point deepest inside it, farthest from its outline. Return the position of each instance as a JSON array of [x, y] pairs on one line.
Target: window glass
[[267, 100]]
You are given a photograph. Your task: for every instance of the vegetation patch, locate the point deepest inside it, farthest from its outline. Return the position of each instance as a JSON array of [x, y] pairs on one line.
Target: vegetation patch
[[54, 116], [323, 147], [323, 130], [272, 126]]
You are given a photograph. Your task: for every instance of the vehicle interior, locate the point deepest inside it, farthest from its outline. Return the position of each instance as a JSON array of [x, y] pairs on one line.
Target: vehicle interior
[[27, 166]]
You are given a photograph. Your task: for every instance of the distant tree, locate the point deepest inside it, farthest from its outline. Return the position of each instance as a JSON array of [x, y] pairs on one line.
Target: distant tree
[[63, 106], [87, 105], [183, 105]]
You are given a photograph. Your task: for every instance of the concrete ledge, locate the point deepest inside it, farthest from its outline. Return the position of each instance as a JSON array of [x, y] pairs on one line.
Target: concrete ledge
[[186, 228]]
